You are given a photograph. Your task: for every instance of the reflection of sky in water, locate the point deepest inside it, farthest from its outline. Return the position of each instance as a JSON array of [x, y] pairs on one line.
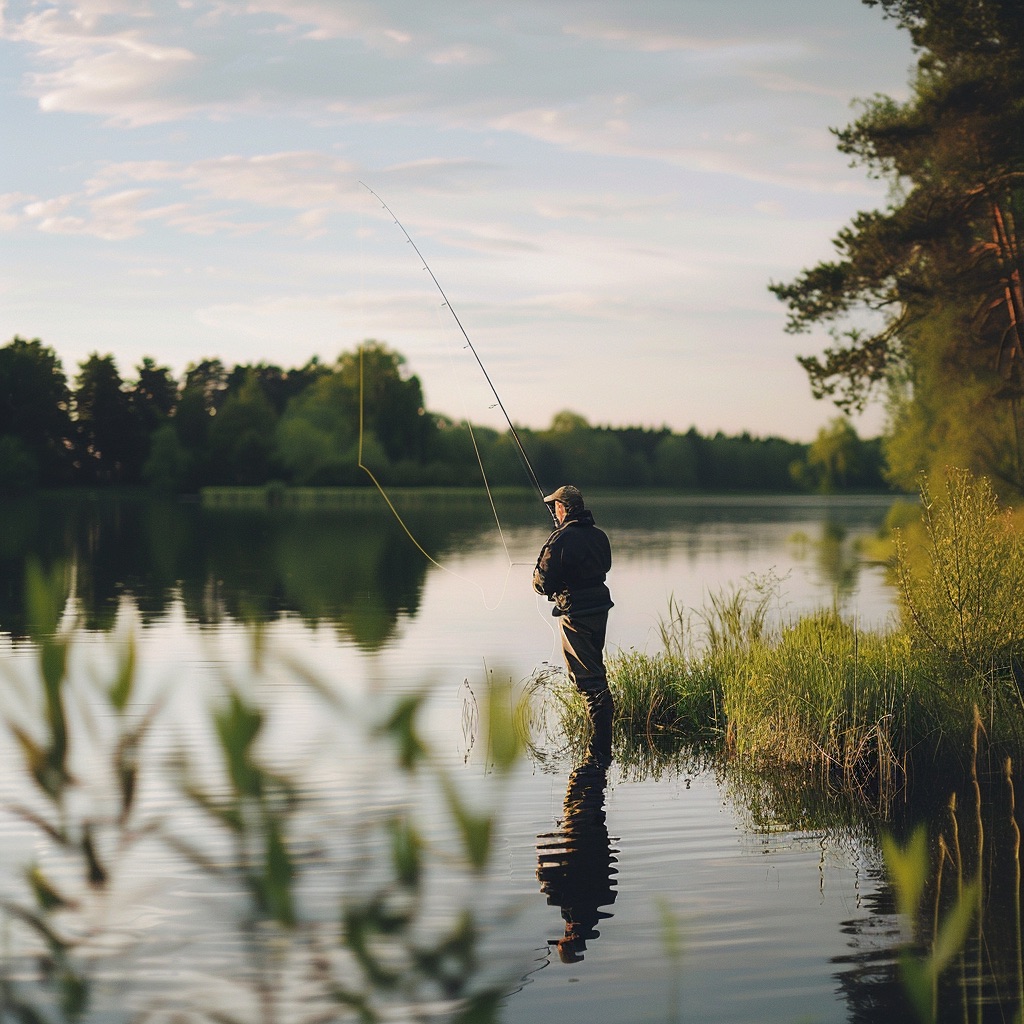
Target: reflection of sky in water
[[491, 612], [761, 917]]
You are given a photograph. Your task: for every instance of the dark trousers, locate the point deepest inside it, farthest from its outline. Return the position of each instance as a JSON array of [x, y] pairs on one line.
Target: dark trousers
[[583, 649]]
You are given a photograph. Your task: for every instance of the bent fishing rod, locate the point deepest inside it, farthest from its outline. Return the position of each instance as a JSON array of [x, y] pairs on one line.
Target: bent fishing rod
[[472, 348]]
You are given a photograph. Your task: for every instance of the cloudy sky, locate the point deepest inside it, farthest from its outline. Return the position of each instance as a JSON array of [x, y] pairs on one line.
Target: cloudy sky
[[603, 189]]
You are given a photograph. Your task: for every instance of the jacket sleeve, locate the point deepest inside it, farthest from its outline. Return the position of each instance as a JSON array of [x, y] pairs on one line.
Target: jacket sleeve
[[547, 577]]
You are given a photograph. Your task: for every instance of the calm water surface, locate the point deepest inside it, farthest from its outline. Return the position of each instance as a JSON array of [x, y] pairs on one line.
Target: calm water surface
[[705, 903]]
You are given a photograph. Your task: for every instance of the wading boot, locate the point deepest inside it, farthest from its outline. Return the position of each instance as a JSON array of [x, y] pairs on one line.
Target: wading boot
[[601, 708]]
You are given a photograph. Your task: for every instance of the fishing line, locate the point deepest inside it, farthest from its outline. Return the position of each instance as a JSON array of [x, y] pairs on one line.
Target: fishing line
[[401, 522], [476, 448], [472, 434], [540, 605], [527, 465]]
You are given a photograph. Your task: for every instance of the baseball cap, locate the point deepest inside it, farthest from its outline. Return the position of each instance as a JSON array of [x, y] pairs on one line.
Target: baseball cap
[[567, 494]]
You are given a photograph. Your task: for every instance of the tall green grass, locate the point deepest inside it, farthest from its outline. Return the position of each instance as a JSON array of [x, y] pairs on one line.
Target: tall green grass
[[818, 694]]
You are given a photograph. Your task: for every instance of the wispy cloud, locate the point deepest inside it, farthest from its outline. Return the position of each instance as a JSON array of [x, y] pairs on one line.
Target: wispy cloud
[[136, 65], [574, 171]]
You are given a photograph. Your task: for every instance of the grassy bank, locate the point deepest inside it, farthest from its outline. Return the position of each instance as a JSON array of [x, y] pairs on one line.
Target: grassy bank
[[864, 710]]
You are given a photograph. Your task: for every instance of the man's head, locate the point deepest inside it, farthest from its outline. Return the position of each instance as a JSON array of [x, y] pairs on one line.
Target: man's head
[[566, 499]]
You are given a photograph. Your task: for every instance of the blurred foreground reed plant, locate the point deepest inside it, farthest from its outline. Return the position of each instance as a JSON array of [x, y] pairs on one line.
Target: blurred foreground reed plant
[[229, 838], [957, 887]]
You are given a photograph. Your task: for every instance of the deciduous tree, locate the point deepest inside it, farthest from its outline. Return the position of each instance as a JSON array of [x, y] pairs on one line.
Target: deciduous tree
[[242, 437], [34, 407]]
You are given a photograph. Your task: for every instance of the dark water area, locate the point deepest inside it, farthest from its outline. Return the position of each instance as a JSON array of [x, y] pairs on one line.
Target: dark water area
[[240, 563], [664, 885]]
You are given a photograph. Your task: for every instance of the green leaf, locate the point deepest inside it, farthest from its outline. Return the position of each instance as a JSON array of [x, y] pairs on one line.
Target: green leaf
[[121, 688], [34, 755], [952, 935], [503, 740], [452, 961], [96, 872], [39, 761], [917, 983], [358, 929], [226, 814], [53, 663], [481, 1008], [278, 872], [475, 830], [238, 724], [57, 946], [400, 725], [357, 1002], [406, 851], [45, 597], [74, 994], [127, 778], [47, 896], [908, 870]]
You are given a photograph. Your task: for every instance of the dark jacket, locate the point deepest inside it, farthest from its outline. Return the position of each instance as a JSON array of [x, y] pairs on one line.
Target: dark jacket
[[572, 566]]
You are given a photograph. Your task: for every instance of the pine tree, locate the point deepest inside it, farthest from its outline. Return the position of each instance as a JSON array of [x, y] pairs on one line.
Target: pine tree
[[924, 300]]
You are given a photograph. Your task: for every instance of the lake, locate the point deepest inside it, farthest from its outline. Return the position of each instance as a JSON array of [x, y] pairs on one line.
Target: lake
[[706, 895]]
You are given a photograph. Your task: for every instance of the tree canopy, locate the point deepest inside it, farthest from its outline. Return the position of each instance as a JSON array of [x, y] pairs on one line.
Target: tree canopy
[[35, 410], [924, 300], [252, 424]]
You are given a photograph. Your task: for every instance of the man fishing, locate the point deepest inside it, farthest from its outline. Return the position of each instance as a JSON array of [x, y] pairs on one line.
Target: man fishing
[[571, 571]]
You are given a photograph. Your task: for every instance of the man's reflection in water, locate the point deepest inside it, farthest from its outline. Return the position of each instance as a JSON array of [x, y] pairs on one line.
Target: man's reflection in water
[[575, 865]]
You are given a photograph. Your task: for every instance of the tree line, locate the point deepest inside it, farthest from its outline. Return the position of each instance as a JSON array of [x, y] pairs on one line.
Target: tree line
[[253, 424]]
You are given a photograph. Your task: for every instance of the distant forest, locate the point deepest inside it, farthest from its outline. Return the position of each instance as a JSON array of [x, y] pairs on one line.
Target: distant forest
[[254, 424]]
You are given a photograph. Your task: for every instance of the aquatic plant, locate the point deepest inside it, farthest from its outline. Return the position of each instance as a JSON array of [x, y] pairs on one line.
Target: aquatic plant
[[815, 694], [921, 967], [823, 694], [296, 927], [70, 890], [957, 886]]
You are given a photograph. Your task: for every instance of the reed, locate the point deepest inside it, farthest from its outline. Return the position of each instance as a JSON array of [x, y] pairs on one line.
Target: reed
[[385, 928], [824, 695], [957, 887]]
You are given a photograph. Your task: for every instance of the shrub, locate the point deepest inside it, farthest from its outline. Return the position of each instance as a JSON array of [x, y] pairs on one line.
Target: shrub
[[960, 596]]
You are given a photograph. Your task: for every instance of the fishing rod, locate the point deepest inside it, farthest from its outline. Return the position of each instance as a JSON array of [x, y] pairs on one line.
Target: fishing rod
[[472, 348]]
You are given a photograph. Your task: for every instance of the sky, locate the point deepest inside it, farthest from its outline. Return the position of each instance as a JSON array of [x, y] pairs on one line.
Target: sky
[[602, 189]]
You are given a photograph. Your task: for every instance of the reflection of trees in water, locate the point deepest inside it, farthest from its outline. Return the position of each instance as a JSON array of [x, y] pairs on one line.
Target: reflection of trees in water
[[350, 564], [973, 833], [835, 558], [354, 567]]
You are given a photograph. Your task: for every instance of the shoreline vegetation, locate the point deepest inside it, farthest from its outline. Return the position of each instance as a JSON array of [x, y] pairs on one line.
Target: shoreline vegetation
[[269, 920], [871, 713]]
